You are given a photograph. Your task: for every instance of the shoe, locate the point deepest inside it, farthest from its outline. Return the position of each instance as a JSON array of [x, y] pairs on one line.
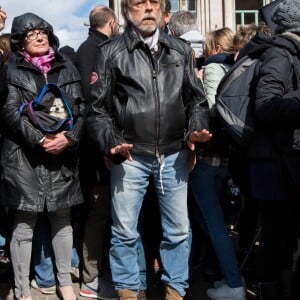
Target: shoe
[[225, 292], [219, 283], [100, 288], [44, 290]]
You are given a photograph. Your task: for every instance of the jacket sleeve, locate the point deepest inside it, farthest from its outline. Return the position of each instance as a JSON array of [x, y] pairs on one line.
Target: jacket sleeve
[[213, 73], [17, 125], [99, 123], [276, 100], [76, 133], [194, 98], [86, 56]]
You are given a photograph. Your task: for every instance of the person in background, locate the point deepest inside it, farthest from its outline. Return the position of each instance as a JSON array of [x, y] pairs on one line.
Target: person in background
[[274, 153], [94, 174], [4, 218], [166, 17], [242, 37], [183, 24], [39, 169], [209, 178], [146, 109]]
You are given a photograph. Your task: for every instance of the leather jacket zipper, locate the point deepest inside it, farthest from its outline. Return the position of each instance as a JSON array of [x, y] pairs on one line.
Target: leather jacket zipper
[[157, 121]]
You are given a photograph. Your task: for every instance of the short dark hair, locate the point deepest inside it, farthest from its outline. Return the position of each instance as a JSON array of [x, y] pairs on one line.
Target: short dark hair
[[100, 16], [168, 6]]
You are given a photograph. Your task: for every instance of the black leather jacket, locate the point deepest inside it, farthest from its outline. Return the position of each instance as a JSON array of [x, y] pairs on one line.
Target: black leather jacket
[[151, 101], [31, 177]]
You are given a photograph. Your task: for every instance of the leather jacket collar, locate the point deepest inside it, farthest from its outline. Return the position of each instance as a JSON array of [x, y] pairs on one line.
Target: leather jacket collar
[[133, 41]]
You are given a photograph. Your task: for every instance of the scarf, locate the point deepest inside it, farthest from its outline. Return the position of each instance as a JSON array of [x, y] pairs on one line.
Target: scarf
[[41, 62]]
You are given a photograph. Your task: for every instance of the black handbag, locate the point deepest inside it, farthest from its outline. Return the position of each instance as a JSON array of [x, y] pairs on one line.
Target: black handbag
[[39, 110]]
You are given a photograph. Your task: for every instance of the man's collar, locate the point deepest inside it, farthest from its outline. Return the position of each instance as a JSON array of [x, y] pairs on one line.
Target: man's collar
[[133, 39]]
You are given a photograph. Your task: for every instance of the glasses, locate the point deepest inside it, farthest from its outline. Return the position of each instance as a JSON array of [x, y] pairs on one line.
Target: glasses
[[33, 35], [145, 3]]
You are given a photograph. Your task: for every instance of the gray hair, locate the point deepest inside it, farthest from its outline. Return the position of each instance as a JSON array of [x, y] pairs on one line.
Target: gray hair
[[182, 22], [126, 5]]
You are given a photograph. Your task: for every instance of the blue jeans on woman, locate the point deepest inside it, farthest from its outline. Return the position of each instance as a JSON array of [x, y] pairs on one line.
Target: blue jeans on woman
[[129, 182], [206, 183]]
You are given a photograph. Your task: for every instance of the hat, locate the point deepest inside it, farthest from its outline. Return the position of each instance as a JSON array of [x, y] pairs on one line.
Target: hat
[[27, 22], [287, 16]]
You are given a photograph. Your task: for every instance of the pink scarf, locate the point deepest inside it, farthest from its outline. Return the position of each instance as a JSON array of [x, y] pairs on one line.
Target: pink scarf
[[42, 62]]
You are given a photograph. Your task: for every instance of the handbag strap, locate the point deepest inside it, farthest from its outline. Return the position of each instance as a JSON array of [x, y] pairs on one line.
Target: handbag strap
[[40, 97]]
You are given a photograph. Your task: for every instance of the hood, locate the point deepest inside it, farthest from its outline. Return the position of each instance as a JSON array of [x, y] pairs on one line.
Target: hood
[[26, 22], [196, 40], [221, 58], [260, 42]]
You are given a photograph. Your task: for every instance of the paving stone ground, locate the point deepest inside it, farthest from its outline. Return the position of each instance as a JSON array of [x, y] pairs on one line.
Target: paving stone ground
[[155, 290]]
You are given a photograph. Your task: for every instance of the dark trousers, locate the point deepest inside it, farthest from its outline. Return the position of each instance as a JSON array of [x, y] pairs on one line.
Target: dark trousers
[[96, 241], [278, 236]]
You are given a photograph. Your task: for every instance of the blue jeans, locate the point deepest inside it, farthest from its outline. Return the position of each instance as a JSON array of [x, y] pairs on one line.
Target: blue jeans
[[206, 183], [43, 256], [3, 227], [129, 182]]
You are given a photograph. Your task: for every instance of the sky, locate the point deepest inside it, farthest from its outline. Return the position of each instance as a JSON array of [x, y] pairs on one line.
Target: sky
[[66, 16]]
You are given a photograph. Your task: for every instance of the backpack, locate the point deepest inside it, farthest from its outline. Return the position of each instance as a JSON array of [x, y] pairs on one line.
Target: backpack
[[236, 93], [233, 98]]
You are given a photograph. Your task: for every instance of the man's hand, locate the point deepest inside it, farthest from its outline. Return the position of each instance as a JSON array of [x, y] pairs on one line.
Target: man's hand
[[2, 18], [202, 136], [122, 149]]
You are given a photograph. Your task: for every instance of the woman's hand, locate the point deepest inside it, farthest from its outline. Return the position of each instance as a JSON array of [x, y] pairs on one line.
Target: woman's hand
[[56, 143]]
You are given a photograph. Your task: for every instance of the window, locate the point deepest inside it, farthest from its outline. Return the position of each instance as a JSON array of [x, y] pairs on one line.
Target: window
[[175, 5], [192, 6], [246, 12]]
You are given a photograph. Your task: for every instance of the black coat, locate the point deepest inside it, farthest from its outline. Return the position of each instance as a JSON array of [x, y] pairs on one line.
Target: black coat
[[277, 112], [277, 103], [86, 58], [148, 100], [32, 178]]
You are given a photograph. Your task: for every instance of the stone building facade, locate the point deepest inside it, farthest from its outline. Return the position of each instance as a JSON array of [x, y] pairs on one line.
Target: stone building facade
[[214, 14]]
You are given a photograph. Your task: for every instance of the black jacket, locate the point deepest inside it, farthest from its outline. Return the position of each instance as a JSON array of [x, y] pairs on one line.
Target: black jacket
[[86, 58], [149, 101], [273, 159], [277, 103], [92, 167], [31, 177]]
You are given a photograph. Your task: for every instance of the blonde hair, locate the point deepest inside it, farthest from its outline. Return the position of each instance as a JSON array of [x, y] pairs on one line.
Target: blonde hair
[[243, 36], [220, 40]]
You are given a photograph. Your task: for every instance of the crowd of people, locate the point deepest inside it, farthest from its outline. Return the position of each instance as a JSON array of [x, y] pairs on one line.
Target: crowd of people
[[114, 163]]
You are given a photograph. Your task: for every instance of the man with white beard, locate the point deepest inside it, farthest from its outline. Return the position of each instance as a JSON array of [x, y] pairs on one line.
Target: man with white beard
[[146, 113]]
